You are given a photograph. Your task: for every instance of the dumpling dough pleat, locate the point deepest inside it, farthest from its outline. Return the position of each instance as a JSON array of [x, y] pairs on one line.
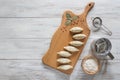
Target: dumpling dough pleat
[[65, 67], [79, 36], [71, 49], [76, 43], [76, 30], [64, 54], [63, 60]]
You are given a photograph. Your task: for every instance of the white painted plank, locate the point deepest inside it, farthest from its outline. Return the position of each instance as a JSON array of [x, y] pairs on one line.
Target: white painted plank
[[23, 48], [35, 70], [28, 28], [36, 48], [53, 8], [45, 27]]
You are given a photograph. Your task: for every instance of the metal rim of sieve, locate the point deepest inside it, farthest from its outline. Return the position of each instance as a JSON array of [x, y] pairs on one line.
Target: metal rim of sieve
[[97, 23]]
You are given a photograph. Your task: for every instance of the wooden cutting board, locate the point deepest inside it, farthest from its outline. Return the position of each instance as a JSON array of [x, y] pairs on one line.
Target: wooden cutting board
[[62, 37]]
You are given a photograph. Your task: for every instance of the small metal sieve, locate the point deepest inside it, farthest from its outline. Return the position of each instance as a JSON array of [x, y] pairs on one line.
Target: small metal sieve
[[97, 24]]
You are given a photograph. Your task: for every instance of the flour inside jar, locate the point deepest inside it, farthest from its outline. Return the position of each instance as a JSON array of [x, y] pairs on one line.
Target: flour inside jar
[[90, 65]]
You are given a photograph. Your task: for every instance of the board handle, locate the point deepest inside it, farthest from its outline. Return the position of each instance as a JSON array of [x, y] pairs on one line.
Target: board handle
[[88, 8]]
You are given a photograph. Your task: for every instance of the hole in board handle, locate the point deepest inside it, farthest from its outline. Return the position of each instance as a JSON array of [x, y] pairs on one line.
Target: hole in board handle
[[89, 4]]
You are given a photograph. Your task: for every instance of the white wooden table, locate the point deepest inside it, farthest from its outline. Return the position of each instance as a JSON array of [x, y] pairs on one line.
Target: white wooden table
[[26, 28]]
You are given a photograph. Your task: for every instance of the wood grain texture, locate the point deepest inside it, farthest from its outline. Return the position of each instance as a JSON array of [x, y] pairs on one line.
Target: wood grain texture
[[62, 37], [26, 29]]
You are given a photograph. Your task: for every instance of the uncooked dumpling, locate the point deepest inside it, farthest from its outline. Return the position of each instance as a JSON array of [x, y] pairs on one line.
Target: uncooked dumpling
[[76, 30], [76, 43], [65, 67], [63, 60], [79, 36], [64, 54], [71, 49]]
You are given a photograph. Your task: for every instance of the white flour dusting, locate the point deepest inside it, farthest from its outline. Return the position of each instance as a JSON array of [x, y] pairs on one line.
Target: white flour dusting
[[90, 65]]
